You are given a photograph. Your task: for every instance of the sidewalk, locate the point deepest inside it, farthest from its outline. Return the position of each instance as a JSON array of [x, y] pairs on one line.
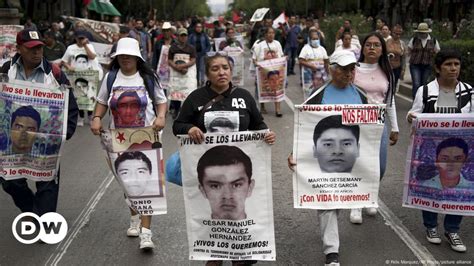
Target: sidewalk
[[405, 84]]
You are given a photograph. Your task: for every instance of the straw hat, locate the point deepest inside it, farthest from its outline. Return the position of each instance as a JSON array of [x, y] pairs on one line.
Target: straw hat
[[128, 46], [423, 28]]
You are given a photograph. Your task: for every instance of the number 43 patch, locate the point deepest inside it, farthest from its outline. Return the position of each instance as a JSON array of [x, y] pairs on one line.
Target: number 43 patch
[[238, 103]]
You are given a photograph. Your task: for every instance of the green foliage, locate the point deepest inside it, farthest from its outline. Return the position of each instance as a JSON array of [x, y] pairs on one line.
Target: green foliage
[[442, 31], [331, 24], [466, 47]]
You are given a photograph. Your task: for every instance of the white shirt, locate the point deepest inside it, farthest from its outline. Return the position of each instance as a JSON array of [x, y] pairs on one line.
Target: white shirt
[[74, 50], [310, 53], [262, 49]]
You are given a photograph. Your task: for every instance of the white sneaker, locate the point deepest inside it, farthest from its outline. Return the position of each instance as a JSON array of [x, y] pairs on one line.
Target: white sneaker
[[80, 121], [372, 211], [356, 216], [135, 223], [145, 239]]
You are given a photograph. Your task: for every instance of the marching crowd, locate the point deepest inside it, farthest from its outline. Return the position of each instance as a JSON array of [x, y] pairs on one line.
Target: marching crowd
[[365, 68]]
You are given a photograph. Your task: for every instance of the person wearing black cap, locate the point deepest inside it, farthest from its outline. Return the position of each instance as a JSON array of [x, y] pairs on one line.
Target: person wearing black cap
[[30, 65]]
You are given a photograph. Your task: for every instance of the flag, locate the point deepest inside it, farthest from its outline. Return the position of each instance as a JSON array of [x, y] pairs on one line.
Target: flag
[[103, 7]]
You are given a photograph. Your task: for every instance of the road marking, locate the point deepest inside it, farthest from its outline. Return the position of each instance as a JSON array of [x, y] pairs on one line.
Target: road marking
[[396, 224], [80, 222], [401, 96]]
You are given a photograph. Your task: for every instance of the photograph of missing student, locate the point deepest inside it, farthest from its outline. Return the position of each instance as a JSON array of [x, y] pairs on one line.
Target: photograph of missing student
[[181, 85], [140, 174], [32, 130], [336, 148], [85, 85], [228, 197], [271, 78], [128, 106], [440, 165], [221, 121], [313, 79]]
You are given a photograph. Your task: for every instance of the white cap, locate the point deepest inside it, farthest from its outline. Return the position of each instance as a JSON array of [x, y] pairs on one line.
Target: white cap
[[128, 46], [166, 26], [343, 58]]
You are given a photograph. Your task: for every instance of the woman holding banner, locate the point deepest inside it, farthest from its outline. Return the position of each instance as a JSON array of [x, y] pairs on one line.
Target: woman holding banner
[[132, 77], [374, 74], [268, 48], [445, 94], [219, 96]]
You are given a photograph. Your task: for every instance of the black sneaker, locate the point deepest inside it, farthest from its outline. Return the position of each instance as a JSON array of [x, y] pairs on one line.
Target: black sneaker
[[455, 242], [432, 236], [332, 259]]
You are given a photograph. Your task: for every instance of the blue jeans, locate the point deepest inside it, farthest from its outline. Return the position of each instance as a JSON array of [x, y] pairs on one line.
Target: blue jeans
[[291, 53], [419, 76], [200, 68], [44, 200], [383, 150], [451, 222]]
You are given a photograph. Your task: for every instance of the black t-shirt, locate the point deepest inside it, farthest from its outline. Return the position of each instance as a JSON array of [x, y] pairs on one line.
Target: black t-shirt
[[234, 100], [54, 53]]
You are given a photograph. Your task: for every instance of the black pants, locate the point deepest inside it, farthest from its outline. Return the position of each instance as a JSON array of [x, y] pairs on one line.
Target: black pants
[[44, 200]]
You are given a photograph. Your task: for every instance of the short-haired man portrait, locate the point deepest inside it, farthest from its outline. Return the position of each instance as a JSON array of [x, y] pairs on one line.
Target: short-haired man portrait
[[135, 171], [336, 146], [82, 89], [222, 125], [128, 109], [26, 121], [273, 81], [451, 155], [225, 180], [81, 62]]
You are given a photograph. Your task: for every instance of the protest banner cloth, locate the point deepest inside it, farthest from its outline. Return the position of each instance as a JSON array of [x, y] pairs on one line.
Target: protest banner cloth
[[237, 58], [218, 41], [163, 69], [227, 186], [439, 173], [135, 157], [271, 80], [336, 148], [313, 79], [101, 31], [281, 19], [259, 14], [85, 84], [102, 51], [33, 125], [8, 41], [181, 85]]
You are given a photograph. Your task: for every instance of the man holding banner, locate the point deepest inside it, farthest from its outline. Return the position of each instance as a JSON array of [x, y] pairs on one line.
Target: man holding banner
[[446, 94], [343, 140], [30, 65]]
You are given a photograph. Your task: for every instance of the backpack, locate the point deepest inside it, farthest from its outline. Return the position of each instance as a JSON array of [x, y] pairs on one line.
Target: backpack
[[149, 85]]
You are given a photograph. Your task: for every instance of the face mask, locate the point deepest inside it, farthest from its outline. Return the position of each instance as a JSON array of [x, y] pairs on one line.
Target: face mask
[[315, 43]]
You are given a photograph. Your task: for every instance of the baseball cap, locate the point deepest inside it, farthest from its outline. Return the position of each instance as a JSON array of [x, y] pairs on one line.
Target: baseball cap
[[28, 38], [182, 31], [343, 58], [80, 33], [166, 26]]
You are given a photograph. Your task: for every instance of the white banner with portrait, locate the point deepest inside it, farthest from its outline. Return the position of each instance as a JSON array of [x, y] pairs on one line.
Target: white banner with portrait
[[271, 80], [218, 41], [227, 185], [336, 148], [259, 14], [135, 157], [439, 173], [181, 85], [313, 79], [85, 85], [163, 68], [8, 41], [237, 59], [33, 126]]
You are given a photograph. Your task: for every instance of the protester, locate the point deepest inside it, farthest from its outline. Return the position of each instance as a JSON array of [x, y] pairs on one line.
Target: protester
[[291, 33], [346, 26], [267, 49], [180, 47], [385, 32], [29, 64], [340, 90], [313, 52], [445, 94], [396, 49], [81, 56], [139, 33], [123, 32], [200, 41], [230, 42], [375, 76], [53, 50], [165, 38], [347, 44], [422, 49], [132, 72]]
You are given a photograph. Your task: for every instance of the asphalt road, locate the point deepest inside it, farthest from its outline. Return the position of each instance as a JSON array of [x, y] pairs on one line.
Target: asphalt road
[[92, 203]]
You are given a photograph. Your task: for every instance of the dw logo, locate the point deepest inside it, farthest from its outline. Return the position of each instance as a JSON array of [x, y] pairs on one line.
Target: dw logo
[[50, 228]]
